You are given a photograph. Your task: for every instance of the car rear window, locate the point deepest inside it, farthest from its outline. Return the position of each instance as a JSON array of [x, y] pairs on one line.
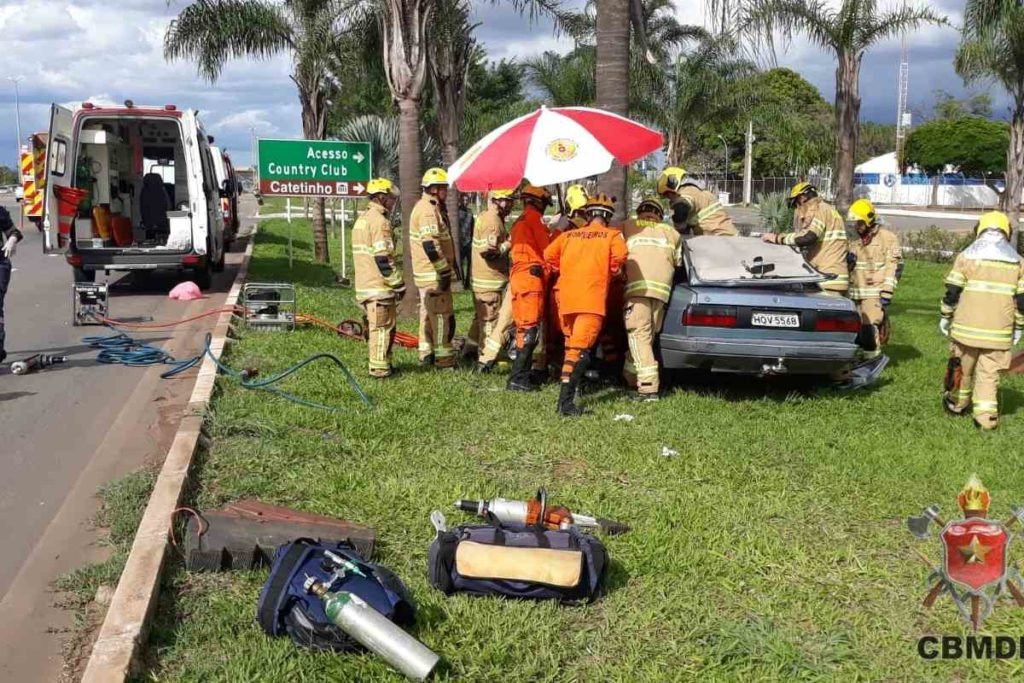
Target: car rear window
[[716, 259]]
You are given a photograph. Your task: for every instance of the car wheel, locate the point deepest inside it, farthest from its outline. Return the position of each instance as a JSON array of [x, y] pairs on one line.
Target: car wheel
[[82, 275]]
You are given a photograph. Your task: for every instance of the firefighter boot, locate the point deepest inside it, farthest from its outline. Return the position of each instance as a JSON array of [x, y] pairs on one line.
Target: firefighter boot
[[567, 395], [519, 380]]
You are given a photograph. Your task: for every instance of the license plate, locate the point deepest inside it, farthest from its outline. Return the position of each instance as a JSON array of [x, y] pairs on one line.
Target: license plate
[[775, 320]]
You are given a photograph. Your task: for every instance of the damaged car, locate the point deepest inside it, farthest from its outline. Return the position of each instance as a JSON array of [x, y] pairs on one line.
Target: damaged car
[[741, 305]]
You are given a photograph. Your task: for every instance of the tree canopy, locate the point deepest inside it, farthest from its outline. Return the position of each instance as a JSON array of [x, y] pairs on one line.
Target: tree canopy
[[972, 144]]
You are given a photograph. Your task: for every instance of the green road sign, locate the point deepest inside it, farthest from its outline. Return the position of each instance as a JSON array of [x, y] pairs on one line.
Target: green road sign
[[314, 168]]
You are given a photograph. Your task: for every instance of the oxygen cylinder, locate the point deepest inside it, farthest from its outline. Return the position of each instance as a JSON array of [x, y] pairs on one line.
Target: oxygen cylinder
[[376, 632]]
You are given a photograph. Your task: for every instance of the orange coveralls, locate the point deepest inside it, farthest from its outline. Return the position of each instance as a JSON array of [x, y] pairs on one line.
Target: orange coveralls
[[529, 238], [586, 260]]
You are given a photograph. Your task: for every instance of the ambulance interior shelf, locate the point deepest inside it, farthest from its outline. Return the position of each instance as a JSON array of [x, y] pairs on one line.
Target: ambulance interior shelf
[[135, 173]]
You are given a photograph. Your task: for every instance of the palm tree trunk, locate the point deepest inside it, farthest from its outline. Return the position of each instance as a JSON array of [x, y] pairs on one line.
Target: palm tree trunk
[[449, 154], [847, 126], [409, 160], [613, 85], [1015, 168]]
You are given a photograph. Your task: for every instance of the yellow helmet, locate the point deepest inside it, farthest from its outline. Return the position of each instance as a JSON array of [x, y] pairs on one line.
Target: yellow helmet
[[862, 210], [799, 190], [651, 204], [600, 203], [434, 176], [575, 198], [539, 193], [380, 186], [500, 194], [671, 179], [993, 220]]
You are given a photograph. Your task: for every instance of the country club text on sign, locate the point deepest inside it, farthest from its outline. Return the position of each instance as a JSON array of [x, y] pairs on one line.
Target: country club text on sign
[[319, 168]]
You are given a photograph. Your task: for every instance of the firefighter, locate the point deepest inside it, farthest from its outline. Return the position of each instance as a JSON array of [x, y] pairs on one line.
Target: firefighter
[[575, 199], [527, 281], [379, 284], [585, 259], [9, 238], [694, 211], [655, 251], [877, 263], [490, 266], [432, 257], [821, 234], [983, 315]]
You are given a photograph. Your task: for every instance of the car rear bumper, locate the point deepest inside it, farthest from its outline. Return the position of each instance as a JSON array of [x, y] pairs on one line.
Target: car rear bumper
[[111, 260], [772, 357]]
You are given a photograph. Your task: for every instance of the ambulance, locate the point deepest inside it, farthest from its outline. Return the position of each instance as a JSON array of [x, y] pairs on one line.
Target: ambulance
[[148, 194]]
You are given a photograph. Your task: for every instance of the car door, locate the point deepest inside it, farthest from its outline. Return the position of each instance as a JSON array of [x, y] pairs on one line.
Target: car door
[[60, 172], [215, 216]]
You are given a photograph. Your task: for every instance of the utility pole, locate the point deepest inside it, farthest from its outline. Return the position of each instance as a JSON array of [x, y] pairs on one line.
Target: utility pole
[[17, 144], [748, 164], [902, 115]]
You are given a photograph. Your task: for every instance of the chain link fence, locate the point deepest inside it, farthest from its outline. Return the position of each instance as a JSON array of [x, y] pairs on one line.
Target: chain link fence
[[732, 185]]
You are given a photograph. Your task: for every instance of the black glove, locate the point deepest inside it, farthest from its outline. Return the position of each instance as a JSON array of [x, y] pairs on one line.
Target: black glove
[[446, 281], [537, 271]]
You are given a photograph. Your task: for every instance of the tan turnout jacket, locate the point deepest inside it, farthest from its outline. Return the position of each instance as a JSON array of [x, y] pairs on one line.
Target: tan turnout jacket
[[874, 274], [373, 254], [490, 238], [429, 224], [986, 313], [655, 251], [828, 253], [707, 217]]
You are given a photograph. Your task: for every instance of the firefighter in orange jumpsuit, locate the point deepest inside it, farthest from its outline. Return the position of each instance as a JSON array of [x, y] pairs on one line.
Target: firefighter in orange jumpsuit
[[529, 238], [586, 260]]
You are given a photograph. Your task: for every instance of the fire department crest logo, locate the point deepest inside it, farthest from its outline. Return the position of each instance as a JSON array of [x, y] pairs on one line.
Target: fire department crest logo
[[562, 149], [974, 569]]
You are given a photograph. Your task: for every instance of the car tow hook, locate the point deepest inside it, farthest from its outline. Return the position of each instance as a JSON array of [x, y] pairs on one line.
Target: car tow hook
[[779, 368]]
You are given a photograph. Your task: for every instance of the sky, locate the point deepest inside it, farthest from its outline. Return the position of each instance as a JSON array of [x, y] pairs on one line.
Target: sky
[[106, 51]]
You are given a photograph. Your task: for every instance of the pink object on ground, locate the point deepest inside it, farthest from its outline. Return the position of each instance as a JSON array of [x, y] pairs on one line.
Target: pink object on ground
[[186, 291]]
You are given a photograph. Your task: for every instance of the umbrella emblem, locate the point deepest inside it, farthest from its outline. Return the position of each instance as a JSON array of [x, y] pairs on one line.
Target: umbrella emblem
[[562, 149]]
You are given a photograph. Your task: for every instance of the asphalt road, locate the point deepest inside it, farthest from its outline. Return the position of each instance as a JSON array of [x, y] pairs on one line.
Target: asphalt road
[[69, 429]]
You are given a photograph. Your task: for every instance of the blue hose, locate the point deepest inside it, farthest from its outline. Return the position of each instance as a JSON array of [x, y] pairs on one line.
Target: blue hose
[[121, 349]]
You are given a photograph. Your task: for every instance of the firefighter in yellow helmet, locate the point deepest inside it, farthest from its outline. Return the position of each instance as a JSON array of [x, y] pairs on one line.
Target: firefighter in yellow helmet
[[490, 265], [378, 284], [876, 261], [433, 256], [694, 210], [821, 234], [655, 251], [572, 216], [983, 315]]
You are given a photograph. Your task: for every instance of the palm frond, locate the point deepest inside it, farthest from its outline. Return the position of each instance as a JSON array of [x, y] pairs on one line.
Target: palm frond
[[211, 32], [761, 19], [382, 134], [895, 23]]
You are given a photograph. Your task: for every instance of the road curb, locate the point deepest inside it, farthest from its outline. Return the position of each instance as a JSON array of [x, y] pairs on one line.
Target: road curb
[[126, 624]]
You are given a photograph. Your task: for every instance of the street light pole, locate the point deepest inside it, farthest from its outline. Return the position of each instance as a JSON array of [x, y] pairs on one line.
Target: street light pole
[[17, 143]]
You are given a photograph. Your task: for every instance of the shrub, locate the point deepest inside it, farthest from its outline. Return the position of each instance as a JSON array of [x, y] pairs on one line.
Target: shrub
[[775, 212], [935, 244]]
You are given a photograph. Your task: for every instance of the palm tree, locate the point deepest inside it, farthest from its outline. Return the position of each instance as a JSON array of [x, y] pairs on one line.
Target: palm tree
[[992, 48], [612, 75], [564, 80], [382, 134], [452, 51], [211, 32], [848, 32]]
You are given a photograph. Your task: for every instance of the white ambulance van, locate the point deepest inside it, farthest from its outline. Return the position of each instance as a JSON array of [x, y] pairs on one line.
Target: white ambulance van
[[151, 197]]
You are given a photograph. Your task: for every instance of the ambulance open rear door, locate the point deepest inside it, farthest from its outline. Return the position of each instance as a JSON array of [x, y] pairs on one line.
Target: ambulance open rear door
[[60, 172]]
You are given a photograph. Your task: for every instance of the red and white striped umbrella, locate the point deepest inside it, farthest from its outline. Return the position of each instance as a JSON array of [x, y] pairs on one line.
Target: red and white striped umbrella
[[552, 146]]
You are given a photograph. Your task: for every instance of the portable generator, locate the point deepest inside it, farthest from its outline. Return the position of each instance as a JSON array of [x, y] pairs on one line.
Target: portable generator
[[269, 306], [88, 303]]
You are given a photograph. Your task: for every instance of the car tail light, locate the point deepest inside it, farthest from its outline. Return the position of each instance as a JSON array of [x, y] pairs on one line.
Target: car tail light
[[190, 260], [74, 260], [846, 321], [710, 316]]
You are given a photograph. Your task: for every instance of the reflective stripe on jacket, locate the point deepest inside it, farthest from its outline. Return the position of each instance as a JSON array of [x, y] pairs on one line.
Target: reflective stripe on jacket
[[986, 313], [707, 217], [654, 253], [491, 239], [428, 224]]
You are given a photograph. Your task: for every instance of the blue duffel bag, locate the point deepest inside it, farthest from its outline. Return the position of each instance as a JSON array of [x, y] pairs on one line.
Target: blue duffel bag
[[286, 609], [518, 562]]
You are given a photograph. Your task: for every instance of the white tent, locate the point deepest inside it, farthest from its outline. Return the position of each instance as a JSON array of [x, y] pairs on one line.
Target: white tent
[[881, 164]]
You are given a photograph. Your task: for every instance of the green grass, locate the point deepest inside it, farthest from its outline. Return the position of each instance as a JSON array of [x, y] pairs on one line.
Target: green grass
[[773, 547]]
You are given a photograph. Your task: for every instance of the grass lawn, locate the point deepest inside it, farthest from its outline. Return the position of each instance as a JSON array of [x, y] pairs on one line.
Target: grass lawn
[[772, 547]]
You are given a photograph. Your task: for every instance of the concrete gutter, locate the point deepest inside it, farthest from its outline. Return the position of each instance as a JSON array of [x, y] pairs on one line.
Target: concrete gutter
[[126, 624], [935, 215]]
